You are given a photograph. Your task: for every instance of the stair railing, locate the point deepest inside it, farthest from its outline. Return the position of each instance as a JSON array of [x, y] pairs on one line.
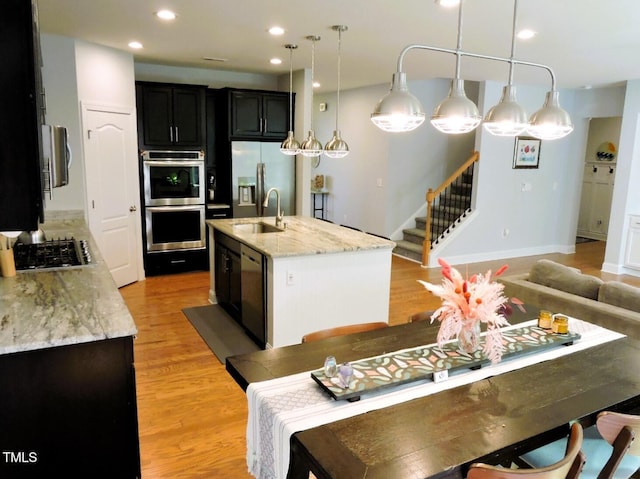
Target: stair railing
[[449, 202]]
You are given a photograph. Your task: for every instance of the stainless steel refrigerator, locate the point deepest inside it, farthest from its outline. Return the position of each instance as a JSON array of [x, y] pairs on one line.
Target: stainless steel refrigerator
[[256, 167]]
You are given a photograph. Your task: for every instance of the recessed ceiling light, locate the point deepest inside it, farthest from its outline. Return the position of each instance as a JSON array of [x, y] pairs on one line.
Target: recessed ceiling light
[[275, 61], [316, 84], [526, 34], [136, 45], [447, 3], [276, 31], [166, 15]]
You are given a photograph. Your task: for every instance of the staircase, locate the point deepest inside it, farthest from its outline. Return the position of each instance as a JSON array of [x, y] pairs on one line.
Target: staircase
[[448, 205]]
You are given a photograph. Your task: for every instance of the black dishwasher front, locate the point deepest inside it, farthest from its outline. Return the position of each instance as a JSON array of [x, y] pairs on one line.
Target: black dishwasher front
[[253, 267]]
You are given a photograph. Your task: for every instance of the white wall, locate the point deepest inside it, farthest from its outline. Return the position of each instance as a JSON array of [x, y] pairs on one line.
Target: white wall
[[508, 222], [74, 72], [383, 181], [59, 79], [626, 194]]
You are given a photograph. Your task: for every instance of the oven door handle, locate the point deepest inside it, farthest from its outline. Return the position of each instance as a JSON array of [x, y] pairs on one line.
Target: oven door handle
[[176, 208], [173, 162]]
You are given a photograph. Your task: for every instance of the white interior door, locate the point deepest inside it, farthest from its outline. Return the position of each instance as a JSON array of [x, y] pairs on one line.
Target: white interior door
[[111, 166]]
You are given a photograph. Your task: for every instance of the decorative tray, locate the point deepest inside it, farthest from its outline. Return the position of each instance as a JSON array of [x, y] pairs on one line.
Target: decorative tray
[[432, 362]]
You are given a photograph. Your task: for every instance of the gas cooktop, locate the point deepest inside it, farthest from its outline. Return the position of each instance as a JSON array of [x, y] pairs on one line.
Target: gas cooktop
[[56, 253]]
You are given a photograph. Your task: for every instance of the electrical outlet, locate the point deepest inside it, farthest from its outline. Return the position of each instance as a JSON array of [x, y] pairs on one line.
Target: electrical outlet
[[439, 376], [291, 278]]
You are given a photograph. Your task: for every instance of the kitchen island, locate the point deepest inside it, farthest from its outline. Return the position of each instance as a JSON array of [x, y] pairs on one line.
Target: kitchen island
[[316, 274], [67, 382]]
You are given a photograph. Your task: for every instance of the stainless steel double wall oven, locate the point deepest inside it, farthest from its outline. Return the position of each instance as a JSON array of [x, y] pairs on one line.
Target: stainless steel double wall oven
[[174, 198]]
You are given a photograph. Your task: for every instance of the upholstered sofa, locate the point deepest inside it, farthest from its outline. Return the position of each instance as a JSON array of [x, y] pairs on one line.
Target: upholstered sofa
[[562, 289]]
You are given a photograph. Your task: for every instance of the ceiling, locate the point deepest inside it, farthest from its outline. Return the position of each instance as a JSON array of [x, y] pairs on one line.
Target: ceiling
[[586, 42]]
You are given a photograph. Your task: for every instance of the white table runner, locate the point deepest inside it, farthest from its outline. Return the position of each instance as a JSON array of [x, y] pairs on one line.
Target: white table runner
[[280, 407]]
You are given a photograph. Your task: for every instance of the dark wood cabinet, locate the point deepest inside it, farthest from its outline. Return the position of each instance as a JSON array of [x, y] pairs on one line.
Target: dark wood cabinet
[[70, 411], [258, 114], [227, 274], [170, 116], [21, 200]]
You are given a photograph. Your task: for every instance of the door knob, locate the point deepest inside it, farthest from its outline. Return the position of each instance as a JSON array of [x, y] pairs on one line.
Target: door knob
[[133, 208]]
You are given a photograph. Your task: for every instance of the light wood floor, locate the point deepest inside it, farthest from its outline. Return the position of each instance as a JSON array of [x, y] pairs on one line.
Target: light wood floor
[[192, 415]]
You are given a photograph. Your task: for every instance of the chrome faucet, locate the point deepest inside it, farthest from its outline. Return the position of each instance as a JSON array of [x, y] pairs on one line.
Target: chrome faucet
[[279, 212]]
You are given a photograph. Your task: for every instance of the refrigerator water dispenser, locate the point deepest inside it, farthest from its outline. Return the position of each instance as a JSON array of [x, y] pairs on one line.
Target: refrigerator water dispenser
[[246, 191]]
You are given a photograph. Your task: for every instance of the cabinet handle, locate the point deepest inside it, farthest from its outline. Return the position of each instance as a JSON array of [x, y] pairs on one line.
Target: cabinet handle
[[595, 169], [261, 120], [177, 140], [133, 208], [171, 134], [610, 170], [265, 125]]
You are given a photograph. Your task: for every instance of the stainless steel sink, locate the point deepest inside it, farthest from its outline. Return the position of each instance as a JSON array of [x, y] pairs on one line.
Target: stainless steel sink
[[260, 227]]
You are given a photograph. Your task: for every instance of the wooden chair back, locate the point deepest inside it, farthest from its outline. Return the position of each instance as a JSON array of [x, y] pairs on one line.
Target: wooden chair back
[[619, 430], [342, 330], [568, 467], [421, 316]]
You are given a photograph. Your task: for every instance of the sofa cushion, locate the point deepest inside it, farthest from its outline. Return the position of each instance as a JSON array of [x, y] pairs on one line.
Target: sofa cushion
[[561, 277], [621, 295]]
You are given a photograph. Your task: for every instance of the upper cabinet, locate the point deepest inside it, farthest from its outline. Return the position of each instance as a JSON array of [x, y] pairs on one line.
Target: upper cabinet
[[257, 114], [171, 116], [21, 97]]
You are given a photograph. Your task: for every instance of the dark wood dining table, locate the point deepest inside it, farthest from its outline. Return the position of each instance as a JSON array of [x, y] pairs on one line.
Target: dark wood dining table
[[490, 420]]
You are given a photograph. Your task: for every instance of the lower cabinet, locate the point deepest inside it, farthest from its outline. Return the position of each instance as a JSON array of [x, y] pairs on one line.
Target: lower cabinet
[[228, 275], [70, 411]]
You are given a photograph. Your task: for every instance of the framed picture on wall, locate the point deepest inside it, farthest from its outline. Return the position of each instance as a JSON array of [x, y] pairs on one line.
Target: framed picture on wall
[[527, 152]]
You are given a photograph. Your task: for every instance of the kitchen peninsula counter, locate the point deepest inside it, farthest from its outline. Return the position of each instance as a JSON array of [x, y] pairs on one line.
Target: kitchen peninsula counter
[[302, 237], [67, 370], [47, 308], [317, 275]]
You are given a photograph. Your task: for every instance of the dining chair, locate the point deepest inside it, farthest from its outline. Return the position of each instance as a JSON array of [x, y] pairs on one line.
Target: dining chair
[[609, 446], [421, 316], [342, 330], [568, 467]]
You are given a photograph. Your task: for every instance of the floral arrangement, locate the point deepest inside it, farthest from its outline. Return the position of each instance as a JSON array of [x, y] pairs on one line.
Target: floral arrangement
[[468, 302]]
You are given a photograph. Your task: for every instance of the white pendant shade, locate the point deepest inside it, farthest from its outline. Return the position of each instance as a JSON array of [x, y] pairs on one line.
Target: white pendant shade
[[507, 118], [456, 114], [290, 145], [399, 110], [311, 146], [336, 147], [550, 122]]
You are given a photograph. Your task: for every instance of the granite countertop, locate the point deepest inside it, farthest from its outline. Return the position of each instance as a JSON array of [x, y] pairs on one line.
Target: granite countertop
[[43, 309], [303, 236]]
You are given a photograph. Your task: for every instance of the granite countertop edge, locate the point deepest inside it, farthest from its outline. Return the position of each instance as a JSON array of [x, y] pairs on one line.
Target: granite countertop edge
[[303, 236], [49, 308]]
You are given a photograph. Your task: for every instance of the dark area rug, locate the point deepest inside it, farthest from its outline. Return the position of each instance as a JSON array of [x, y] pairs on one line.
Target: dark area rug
[[580, 239], [221, 333]]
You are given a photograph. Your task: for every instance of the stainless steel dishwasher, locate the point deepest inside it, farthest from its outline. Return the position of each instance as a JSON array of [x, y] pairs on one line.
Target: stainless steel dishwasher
[[253, 297]]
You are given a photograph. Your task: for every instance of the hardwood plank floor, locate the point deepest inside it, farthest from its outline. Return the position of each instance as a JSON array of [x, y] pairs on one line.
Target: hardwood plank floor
[[192, 415]]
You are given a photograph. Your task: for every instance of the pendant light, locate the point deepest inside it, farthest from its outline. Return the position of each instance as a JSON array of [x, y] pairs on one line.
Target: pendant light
[[507, 118], [456, 114], [550, 122], [337, 147], [400, 111], [290, 146], [311, 147]]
